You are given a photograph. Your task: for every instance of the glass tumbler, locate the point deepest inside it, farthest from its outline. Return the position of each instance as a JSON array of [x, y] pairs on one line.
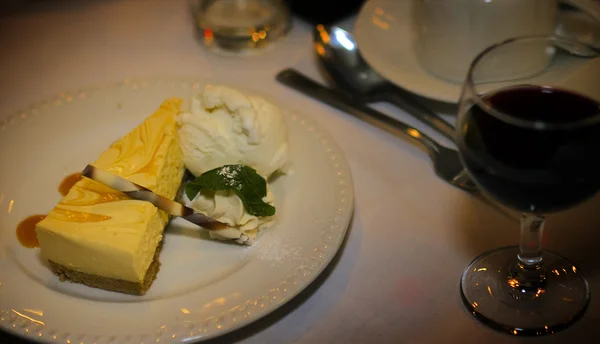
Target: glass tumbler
[[240, 27]]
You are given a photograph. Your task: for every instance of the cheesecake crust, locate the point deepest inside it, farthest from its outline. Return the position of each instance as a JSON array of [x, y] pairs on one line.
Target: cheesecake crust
[[111, 284]]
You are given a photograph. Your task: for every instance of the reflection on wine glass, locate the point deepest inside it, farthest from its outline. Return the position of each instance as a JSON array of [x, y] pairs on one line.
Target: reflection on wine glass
[[529, 136]]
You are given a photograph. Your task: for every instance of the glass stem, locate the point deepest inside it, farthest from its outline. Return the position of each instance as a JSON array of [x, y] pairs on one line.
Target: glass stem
[[530, 248], [527, 276]]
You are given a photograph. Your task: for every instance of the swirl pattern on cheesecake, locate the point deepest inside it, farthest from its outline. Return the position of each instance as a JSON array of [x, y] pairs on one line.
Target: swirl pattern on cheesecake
[[103, 234]]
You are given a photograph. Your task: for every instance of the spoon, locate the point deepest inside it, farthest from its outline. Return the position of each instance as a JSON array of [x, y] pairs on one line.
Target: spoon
[[337, 51], [347, 70]]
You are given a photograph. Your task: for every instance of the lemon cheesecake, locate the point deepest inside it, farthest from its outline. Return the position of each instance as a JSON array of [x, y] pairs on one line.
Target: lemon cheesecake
[[100, 237]]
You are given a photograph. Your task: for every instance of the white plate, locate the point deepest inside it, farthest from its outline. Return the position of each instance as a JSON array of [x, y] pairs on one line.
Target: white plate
[[204, 288], [384, 34]]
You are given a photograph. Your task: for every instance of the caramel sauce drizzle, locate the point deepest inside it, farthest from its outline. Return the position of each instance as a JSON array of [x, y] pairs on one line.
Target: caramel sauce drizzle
[[26, 231], [68, 183]]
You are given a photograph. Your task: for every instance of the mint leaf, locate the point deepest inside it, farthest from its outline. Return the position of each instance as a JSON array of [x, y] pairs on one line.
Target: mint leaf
[[248, 185]]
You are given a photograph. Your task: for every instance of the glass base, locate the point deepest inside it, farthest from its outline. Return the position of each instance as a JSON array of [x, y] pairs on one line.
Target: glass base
[[493, 296]]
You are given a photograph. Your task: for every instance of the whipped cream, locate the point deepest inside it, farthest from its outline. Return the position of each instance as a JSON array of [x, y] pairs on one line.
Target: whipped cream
[[227, 207]]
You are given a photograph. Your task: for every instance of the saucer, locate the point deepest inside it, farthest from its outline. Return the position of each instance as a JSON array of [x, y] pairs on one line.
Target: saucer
[[385, 35]]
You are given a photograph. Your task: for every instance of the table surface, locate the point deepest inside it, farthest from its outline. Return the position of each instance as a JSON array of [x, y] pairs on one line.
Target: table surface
[[396, 279]]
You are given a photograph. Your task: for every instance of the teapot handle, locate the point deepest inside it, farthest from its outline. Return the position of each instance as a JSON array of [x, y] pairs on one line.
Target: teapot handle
[[591, 7]]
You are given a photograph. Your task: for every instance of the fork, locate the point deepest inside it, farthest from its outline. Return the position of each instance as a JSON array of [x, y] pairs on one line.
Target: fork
[[446, 162]]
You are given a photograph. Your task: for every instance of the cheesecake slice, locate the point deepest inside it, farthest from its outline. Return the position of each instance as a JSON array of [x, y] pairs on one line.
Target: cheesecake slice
[[100, 237]]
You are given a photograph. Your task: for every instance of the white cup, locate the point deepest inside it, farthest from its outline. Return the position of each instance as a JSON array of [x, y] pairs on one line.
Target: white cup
[[450, 33]]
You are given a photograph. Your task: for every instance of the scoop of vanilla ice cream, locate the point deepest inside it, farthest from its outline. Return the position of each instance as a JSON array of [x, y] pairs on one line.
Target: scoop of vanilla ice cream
[[227, 207], [226, 127]]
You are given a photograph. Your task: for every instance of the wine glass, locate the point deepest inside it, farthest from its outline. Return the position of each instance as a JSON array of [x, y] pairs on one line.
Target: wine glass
[[529, 136]]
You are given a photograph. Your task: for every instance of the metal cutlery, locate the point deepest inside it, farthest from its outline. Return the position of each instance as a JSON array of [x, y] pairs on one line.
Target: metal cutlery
[[338, 54], [345, 68], [446, 162]]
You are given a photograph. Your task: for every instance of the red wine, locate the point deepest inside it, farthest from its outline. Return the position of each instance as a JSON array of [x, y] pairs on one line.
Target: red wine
[[543, 157]]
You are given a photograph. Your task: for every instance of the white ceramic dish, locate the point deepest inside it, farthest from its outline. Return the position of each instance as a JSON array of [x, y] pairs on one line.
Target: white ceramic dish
[[385, 34], [204, 288]]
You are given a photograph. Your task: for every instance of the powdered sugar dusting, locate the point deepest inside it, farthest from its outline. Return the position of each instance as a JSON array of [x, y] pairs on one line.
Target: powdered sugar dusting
[[230, 173], [275, 250]]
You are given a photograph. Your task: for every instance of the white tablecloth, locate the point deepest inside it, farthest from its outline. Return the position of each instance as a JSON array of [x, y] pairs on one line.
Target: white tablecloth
[[396, 278]]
